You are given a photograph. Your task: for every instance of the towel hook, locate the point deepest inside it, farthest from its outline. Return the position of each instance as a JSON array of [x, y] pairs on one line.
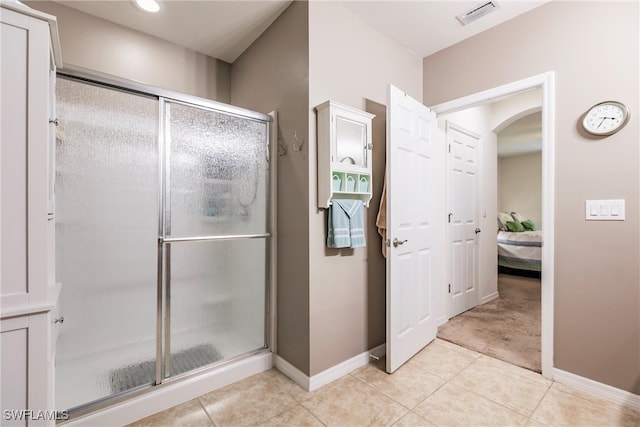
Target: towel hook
[[282, 148], [296, 146]]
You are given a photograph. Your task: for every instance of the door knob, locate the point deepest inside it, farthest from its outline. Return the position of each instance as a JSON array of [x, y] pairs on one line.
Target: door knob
[[397, 242], [478, 230]]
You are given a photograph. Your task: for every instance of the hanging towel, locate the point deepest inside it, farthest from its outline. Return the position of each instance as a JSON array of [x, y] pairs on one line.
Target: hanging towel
[[381, 220], [346, 224]]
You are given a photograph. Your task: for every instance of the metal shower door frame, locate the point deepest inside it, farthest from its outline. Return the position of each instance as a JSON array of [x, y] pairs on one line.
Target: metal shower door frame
[[162, 322]]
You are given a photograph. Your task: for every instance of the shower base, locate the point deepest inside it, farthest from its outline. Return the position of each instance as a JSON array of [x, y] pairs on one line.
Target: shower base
[[93, 376], [137, 374]]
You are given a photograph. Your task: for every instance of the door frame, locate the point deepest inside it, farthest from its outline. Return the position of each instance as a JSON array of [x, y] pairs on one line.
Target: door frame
[[450, 124], [545, 82]]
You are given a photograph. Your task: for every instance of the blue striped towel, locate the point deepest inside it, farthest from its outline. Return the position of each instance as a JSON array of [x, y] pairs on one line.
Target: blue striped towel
[[346, 224]]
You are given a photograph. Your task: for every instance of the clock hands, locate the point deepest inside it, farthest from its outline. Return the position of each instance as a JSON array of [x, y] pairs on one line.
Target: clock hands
[[605, 118]]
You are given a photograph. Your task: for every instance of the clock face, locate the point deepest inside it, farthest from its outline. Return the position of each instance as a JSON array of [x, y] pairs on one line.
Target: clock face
[[605, 118]]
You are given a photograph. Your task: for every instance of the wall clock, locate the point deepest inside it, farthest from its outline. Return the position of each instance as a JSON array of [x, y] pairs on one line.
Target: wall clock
[[605, 118]]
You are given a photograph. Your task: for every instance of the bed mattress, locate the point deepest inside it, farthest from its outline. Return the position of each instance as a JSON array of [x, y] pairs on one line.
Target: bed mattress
[[522, 251]]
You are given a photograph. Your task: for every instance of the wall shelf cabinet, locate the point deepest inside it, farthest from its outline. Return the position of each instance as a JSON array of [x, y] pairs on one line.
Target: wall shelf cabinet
[[344, 153]]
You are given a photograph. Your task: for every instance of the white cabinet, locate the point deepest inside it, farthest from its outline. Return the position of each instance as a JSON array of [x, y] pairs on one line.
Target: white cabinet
[[28, 292], [26, 389], [344, 153]]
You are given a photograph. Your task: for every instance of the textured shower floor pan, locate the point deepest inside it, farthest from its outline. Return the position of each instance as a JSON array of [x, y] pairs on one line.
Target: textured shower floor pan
[[98, 375]]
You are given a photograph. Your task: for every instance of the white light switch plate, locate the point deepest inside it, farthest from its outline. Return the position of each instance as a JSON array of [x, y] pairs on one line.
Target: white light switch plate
[[604, 210]]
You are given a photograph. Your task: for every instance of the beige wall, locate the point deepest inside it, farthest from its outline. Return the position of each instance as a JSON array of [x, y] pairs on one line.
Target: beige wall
[[597, 291], [352, 63], [273, 74], [100, 45], [520, 185]]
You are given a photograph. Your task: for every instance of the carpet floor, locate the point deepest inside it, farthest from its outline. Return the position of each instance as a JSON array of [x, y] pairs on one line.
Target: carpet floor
[[507, 328]]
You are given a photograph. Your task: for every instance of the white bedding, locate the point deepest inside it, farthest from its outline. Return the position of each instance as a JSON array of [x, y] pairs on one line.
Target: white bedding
[[520, 250]]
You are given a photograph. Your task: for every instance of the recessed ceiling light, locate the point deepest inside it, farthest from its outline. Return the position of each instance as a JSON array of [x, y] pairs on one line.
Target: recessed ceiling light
[[148, 5]]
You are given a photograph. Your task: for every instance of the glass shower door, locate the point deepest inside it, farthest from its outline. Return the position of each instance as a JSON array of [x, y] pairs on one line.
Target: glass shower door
[[106, 241], [215, 236]]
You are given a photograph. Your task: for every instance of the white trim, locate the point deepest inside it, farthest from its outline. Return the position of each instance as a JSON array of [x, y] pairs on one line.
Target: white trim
[[489, 298], [598, 389], [442, 320], [545, 81], [379, 351], [296, 375], [328, 375], [338, 371], [179, 392]]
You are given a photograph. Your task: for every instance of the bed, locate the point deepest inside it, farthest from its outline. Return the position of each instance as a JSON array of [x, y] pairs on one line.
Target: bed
[[520, 252]]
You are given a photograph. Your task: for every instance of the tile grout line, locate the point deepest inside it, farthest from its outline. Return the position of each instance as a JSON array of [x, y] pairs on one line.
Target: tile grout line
[[539, 402], [490, 399], [206, 412]]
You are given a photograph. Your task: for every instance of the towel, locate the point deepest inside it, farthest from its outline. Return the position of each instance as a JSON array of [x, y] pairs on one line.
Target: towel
[[381, 220], [346, 224]]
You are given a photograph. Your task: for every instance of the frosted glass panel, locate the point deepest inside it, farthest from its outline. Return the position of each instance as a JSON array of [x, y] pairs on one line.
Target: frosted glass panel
[[217, 301], [217, 178], [106, 234]]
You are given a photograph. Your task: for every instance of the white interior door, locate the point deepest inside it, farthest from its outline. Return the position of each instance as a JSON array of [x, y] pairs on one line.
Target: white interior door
[[411, 318], [462, 146]]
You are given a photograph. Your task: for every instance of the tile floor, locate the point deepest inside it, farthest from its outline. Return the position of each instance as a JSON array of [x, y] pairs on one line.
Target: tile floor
[[443, 385]]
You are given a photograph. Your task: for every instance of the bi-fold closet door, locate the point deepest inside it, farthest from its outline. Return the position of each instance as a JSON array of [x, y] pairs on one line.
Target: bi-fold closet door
[[162, 239]]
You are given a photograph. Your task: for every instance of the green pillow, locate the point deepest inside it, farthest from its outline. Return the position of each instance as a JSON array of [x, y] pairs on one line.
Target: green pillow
[[514, 226], [529, 225]]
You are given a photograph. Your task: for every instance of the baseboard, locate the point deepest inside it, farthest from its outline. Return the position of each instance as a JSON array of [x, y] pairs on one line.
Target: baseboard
[[296, 375], [489, 298], [442, 320], [598, 389], [379, 351], [328, 375], [171, 394]]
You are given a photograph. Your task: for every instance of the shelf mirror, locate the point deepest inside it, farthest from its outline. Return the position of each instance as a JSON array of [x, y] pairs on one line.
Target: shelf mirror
[[351, 140]]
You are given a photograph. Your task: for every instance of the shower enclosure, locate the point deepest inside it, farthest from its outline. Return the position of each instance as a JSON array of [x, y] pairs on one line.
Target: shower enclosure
[[162, 241]]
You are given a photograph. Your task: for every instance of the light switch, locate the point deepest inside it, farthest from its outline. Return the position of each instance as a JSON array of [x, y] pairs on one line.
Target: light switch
[[615, 210], [604, 210]]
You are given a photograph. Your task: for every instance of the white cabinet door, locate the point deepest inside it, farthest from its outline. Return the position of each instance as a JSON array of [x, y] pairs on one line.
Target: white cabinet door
[[411, 316], [26, 389], [14, 345], [23, 159]]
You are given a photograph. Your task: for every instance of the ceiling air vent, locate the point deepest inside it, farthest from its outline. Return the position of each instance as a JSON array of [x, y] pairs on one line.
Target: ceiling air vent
[[478, 12]]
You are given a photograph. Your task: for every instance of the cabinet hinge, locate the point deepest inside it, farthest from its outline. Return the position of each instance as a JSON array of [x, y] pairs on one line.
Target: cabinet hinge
[[388, 243], [449, 147], [449, 287]]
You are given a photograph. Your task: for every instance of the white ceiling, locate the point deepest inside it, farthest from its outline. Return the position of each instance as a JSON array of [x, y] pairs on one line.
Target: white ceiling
[[224, 29], [428, 26]]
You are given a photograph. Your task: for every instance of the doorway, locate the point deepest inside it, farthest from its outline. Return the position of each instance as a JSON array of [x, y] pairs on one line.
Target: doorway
[[545, 83]]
